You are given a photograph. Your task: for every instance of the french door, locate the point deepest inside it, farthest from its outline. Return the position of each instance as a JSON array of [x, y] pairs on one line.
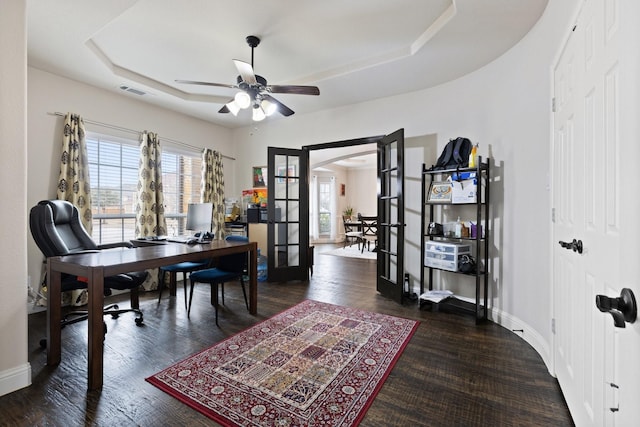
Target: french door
[[287, 214], [390, 265]]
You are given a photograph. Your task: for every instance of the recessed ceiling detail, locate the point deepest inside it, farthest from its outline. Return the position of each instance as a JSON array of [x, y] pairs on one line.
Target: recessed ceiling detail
[[354, 51]]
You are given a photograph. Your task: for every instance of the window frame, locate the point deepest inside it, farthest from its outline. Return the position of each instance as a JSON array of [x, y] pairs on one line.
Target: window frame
[[175, 214]]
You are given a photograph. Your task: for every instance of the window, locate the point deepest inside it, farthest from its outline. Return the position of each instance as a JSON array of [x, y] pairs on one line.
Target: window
[[113, 168], [324, 207], [181, 179]]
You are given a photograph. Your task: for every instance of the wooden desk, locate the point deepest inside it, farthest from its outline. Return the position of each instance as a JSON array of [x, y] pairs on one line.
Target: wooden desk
[[97, 266]]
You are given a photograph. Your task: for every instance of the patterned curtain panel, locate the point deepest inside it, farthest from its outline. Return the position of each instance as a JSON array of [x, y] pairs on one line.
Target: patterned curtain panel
[[212, 189], [74, 185], [150, 219]]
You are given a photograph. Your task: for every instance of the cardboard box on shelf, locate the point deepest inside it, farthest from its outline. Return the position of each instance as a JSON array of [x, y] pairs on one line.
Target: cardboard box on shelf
[[465, 191]]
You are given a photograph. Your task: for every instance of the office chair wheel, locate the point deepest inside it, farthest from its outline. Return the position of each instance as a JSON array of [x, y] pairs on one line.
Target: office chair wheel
[[43, 341], [139, 321]]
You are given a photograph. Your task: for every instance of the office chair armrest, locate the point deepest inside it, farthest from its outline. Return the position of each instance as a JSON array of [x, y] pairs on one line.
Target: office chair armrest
[[116, 245]]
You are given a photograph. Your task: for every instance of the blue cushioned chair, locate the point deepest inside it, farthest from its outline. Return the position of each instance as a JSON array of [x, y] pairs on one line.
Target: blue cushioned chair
[[230, 267], [184, 268]]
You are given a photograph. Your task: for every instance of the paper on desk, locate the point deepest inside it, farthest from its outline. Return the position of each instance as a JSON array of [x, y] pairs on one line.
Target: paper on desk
[[436, 296]]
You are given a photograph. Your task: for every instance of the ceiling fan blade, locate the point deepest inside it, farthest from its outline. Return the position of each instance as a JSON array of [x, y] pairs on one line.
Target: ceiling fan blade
[[192, 82], [297, 90], [246, 72], [282, 109]]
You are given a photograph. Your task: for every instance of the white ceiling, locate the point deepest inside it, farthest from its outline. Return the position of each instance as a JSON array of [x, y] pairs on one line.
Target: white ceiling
[[354, 157], [353, 51]]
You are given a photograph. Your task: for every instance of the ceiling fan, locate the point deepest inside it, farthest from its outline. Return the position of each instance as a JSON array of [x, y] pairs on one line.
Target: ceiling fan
[[254, 90]]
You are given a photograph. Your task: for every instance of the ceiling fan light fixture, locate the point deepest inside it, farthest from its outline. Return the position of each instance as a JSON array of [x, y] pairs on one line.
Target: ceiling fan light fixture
[[258, 114], [268, 107], [254, 91], [242, 99], [233, 107]]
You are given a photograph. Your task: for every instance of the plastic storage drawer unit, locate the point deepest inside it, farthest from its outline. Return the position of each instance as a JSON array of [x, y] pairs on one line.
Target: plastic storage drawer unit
[[449, 248], [445, 255]]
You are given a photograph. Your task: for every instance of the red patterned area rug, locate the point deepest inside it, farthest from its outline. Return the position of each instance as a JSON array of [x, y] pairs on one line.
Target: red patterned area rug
[[313, 364]]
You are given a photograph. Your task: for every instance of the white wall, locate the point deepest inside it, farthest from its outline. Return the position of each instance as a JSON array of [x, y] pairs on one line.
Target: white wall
[[361, 191], [15, 371], [49, 93], [417, 150], [506, 108]]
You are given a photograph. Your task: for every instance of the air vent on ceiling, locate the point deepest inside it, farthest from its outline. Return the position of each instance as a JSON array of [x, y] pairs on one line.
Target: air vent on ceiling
[[132, 90]]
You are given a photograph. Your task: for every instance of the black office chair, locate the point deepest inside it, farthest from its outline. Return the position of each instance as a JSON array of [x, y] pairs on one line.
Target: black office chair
[[230, 267], [56, 228]]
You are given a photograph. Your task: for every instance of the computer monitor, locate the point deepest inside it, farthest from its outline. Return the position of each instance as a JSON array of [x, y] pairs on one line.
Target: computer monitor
[[199, 217]]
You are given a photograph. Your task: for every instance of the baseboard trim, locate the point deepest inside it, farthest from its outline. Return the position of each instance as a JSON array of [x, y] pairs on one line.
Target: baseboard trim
[[15, 378], [527, 333]]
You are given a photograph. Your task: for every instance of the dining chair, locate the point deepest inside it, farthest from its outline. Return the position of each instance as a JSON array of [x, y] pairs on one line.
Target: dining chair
[[369, 227], [352, 232], [229, 267], [181, 267]]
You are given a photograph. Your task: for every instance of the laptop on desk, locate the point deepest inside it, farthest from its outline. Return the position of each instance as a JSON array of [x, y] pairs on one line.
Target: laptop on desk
[[190, 238], [181, 239], [160, 240]]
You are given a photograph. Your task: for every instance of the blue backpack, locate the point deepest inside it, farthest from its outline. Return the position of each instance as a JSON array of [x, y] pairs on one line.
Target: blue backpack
[[455, 154]]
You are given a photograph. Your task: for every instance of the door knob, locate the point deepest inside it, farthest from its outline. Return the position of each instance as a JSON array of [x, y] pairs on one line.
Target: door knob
[[623, 308]]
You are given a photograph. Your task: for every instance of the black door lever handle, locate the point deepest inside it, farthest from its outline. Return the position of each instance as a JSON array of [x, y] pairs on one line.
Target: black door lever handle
[[623, 308], [575, 245]]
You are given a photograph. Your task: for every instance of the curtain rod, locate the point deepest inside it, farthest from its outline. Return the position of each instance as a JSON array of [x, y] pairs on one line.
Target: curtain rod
[[93, 122]]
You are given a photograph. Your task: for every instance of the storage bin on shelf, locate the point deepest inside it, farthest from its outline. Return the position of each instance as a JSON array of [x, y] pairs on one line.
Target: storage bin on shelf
[[445, 255]]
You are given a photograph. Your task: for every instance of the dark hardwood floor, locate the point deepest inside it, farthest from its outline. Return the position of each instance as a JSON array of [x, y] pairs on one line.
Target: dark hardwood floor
[[452, 373]]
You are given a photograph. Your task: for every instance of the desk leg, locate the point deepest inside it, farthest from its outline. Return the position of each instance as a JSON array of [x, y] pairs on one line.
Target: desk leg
[[54, 316], [96, 333], [253, 279], [173, 283]]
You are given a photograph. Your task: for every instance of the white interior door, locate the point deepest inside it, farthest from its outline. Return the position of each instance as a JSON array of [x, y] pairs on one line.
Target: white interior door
[[573, 314], [592, 178]]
